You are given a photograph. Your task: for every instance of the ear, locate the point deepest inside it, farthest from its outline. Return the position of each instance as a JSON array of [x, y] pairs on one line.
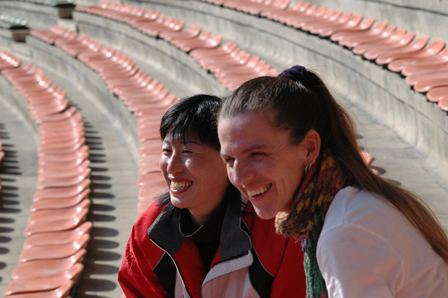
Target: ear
[[312, 145]]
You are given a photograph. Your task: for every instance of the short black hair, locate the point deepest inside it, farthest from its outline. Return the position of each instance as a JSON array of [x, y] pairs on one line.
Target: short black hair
[[194, 117]]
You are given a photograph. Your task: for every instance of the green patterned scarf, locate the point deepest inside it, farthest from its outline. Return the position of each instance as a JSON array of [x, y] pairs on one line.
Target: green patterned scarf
[[306, 219]]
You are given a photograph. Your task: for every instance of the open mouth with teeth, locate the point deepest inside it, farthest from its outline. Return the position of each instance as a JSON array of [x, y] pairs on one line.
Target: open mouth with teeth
[[259, 191], [180, 185]]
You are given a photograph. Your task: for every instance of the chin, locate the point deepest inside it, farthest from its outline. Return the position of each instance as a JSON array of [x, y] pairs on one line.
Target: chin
[[264, 214]]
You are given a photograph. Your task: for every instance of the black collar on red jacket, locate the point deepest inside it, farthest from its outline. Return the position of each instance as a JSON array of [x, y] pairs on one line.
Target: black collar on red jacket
[[234, 241]]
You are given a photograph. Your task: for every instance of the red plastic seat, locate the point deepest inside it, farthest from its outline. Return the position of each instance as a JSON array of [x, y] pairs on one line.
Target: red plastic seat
[[41, 284]]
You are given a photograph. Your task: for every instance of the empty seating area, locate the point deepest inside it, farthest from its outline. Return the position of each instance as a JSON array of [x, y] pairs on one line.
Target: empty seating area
[[381, 43], [230, 65], [57, 227], [132, 60]]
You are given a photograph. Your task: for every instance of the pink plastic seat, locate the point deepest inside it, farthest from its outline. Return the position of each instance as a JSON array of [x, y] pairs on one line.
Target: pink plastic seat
[[48, 267], [48, 252], [205, 40], [255, 7], [276, 6], [155, 28], [290, 12], [365, 28], [333, 19], [49, 181], [425, 85], [313, 14], [61, 192], [383, 42], [421, 64], [56, 225], [61, 292], [148, 16], [378, 33], [151, 178], [398, 62], [41, 284], [66, 169], [58, 203], [437, 94], [59, 214], [354, 23], [443, 104], [386, 56], [207, 54], [58, 238], [8, 60], [414, 78], [192, 32]]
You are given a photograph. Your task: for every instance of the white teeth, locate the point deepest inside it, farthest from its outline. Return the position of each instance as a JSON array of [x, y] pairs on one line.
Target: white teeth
[[259, 191], [180, 185]]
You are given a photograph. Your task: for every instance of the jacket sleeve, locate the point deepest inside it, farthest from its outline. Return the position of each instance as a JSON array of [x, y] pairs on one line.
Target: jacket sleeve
[[290, 279], [136, 276]]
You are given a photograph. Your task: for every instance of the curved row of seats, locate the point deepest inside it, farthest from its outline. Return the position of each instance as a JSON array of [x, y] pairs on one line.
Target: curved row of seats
[[143, 95], [424, 64], [57, 232], [230, 65]]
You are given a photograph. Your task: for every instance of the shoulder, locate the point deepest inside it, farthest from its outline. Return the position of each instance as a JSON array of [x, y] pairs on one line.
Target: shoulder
[[355, 206], [145, 220]]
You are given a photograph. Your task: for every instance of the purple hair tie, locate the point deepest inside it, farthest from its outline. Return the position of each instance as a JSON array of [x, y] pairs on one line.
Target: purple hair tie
[[295, 73]]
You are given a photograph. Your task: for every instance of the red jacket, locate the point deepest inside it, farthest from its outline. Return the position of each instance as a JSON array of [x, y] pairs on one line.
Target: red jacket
[[252, 260]]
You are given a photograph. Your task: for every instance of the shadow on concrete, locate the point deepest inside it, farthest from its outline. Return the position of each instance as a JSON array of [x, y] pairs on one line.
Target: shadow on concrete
[[98, 252]]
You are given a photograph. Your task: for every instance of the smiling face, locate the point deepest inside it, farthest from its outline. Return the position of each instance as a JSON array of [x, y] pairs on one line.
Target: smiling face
[[195, 175], [262, 162]]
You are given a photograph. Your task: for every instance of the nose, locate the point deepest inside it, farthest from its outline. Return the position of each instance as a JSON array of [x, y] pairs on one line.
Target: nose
[[174, 164], [240, 174]]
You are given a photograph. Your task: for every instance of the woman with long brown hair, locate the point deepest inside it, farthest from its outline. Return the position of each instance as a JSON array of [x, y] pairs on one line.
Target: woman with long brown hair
[[291, 149]]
